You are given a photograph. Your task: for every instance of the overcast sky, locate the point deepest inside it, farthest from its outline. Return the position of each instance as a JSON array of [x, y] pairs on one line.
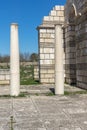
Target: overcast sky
[[28, 14]]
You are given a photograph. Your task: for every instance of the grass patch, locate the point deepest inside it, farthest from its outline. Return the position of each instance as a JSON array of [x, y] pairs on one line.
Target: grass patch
[[50, 94], [74, 93], [29, 82], [37, 94], [22, 94], [27, 75], [5, 96]]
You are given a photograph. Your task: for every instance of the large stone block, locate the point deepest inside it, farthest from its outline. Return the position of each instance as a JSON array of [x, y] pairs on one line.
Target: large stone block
[[51, 56], [2, 77], [41, 50], [53, 13], [51, 71], [60, 13], [46, 18], [62, 19], [46, 35], [52, 35], [56, 18], [50, 31], [57, 8], [48, 50], [47, 76], [42, 56], [4, 82], [42, 30], [42, 40], [47, 56], [44, 70], [7, 77], [51, 18], [49, 40]]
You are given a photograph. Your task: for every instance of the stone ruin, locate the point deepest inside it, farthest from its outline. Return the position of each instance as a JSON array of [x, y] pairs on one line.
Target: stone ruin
[[73, 18], [46, 32], [62, 38]]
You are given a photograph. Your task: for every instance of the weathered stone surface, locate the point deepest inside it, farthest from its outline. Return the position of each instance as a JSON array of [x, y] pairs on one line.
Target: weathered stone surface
[[44, 112]]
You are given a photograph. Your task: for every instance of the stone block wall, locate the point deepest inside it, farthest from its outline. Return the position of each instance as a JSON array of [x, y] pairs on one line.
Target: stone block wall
[[76, 42], [46, 55], [81, 47], [46, 39], [70, 55], [4, 76], [36, 72], [55, 16]]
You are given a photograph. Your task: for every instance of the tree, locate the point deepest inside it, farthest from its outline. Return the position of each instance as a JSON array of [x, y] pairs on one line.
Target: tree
[[34, 57], [24, 57], [4, 58]]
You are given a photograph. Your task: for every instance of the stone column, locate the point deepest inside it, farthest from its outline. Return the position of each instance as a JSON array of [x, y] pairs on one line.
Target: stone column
[[14, 61], [59, 70]]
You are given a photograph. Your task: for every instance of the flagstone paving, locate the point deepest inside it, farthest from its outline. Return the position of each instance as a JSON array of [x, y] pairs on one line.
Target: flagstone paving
[[43, 112]]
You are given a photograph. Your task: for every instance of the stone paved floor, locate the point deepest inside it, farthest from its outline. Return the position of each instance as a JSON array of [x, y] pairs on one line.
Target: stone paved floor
[[43, 112]]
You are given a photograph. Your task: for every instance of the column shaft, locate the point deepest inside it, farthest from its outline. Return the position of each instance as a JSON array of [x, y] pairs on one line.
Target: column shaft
[[59, 70], [14, 62]]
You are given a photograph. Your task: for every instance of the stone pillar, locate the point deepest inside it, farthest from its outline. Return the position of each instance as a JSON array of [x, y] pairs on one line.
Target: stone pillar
[[14, 61], [59, 70]]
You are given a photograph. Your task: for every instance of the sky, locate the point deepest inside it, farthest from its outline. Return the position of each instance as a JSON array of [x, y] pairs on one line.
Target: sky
[[28, 14]]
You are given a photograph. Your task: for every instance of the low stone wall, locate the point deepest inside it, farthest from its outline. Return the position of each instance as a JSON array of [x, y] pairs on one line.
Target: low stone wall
[[4, 76], [5, 73]]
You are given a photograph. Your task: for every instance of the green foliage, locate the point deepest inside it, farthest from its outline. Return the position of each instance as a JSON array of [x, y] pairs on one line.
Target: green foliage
[[33, 57], [27, 75]]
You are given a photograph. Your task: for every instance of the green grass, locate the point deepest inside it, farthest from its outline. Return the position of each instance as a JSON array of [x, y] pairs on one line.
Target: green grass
[[22, 94], [74, 93], [27, 75], [37, 94], [5, 96], [25, 94], [50, 94], [29, 82], [68, 93]]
